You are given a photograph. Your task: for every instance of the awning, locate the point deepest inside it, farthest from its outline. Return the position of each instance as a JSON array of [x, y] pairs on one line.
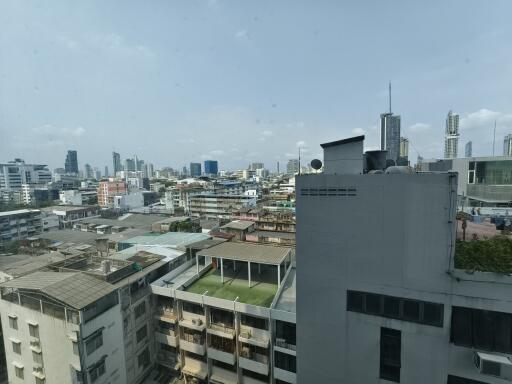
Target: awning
[[34, 323], [17, 365]]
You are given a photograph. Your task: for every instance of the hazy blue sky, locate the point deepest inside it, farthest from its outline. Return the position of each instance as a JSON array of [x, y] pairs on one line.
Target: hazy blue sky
[[240, 81]]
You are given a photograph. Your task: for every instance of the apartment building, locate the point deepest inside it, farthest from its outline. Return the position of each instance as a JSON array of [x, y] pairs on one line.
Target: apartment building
[[212, 205], [228, 316], [14, 174], [108, 189], [20, 224], [381, 295]]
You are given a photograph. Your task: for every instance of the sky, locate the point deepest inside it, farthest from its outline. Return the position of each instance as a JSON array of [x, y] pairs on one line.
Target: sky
[[175, 82]]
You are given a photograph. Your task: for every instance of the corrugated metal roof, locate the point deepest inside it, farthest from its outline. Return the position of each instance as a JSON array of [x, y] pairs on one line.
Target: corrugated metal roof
[[265, 254], [75, 289], [239, 224], [169, 239]]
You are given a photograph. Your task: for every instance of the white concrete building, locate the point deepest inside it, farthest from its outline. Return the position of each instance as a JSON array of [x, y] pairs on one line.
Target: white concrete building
[[380, 296], [15, 173], [19, 224]]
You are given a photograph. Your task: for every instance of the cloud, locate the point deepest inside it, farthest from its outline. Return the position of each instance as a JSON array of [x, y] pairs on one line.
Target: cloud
[[484, 119], [300, 143], [267, 133], [358, 131], [50, 130], [115, 43], [241, 34], [419, 127]]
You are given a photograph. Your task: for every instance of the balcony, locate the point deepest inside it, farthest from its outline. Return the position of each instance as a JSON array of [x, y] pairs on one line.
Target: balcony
[[282, 346], [168, 359], [253, 336], [193, 343], [195, 324], [165, 314], [221, 330], [254, 362], [221, 375], [35, 346], [166, 336], [195, 368], [219, 355], [283, 375]]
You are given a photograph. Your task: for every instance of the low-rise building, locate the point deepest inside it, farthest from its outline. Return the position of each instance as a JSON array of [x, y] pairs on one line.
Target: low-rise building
[[20, 224], [109, 188], [211, 205]]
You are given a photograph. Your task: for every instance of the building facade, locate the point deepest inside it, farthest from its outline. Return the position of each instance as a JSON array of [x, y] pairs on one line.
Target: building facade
[[107, 189], [390, 135], [212, 205], [292, 167], [211, 167], [468, 150], [20, 224], [15, 173], [507, 145], [451, 138], [195, 169], [71, 163]]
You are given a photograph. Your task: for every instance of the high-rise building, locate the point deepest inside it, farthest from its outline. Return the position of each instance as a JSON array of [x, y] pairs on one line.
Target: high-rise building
[[195, 169], [401, 303], [71, 164], [14, 174], [507, 145], [256, 166], [105, 174], [292, 167], [148, 171], [390, 133], [88, 172], [403, 158], [211, 167], [116, 162], [468, 151], [129, 165], [451, 137]]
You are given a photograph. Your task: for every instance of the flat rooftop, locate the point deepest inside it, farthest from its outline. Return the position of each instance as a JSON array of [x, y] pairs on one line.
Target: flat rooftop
[[263, 254], [130, 220], [19, 212], [259, 294], [169, 239], [71, 236], [18, 265], [238, 224], [280, 235]]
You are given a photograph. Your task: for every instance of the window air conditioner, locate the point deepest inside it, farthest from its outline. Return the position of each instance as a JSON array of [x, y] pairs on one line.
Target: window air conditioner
[[493, 365]]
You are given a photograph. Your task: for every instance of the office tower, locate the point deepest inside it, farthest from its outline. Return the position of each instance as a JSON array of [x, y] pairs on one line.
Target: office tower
[[451, 138], [292, 167], [105, 174], [88, 172], [129, 165], [468, 152], [97, 173], [14, 174], [211, 167], [390, 133], [116, 162], [195, 169], [71, 164], [507, 145], [139, 164], [403, 158], [184, 171], [256, 166]]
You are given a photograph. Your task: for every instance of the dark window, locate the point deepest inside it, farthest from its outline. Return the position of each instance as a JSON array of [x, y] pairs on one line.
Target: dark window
[[461, 380], [193, 308], [372, 304], [486, 330], [255, 322], [398, 308], [141, 333], [285, 361], [355, 301], [94, 341], [391, 306], [143, 359], [140, 309], [411, 310], [286, 331], [390, 354]]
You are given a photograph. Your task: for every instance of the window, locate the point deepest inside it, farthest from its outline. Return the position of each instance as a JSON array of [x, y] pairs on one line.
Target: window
[[140, 309], [390, 354], [142, 333], [481, 329], [254, 322], [286, 331], [16, 347], [285, 361], [193, 308], [143, 358], [461, 380], [13, 322], [33, 330], [19, 372], [416, 311], [39, 381], [94, 341], [37, 357], [97, 370]]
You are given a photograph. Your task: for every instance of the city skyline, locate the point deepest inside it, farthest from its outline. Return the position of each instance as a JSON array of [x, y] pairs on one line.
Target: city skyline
[[334, 91]]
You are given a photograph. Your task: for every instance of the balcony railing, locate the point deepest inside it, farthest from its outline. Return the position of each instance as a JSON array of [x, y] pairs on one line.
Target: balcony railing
[[191, 338], [166, 331], [222, 328], [283, 344], [258, 357]]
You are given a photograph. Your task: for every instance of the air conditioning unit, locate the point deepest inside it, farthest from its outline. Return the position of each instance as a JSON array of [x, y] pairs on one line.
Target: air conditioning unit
[[493, 365]]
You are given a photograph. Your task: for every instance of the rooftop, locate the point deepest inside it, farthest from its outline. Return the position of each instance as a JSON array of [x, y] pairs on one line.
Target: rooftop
[[71, 236], [263, 254], [18, 265], [239, 224], [19, 212], [281, 235], [260, 293], [169, 239], [75, 289], [131, 220]]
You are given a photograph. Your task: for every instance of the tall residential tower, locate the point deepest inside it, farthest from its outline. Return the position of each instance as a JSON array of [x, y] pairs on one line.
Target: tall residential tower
[[390, 133], [71, 164], [451, 137]]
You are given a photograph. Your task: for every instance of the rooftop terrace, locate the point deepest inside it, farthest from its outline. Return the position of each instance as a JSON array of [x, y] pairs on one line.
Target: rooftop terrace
[[261, 292]]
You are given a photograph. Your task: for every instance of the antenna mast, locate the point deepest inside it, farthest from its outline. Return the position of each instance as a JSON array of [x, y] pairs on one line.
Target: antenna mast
[[494, 138], [390, 97]]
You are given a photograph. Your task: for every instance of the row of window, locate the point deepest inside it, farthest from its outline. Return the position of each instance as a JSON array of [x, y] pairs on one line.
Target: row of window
[[33, 329], [416, 311], [349, 191], [20, 374]]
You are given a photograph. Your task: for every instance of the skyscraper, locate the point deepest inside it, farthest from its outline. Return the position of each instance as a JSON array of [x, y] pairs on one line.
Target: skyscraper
[[116, 162], [129, 165], [403, 158], [292, 166], [211, 167], [71, 164], [106, 172], [88, 172], [507, 145], [451, 137], [390, 133], [195, 169], [468, 152]]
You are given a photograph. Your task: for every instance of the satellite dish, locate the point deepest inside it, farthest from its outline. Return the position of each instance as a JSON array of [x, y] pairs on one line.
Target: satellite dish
[[316, 164]]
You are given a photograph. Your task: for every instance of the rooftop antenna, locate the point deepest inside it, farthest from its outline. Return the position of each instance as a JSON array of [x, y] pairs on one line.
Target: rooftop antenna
[[390, 97], [494, 138]]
